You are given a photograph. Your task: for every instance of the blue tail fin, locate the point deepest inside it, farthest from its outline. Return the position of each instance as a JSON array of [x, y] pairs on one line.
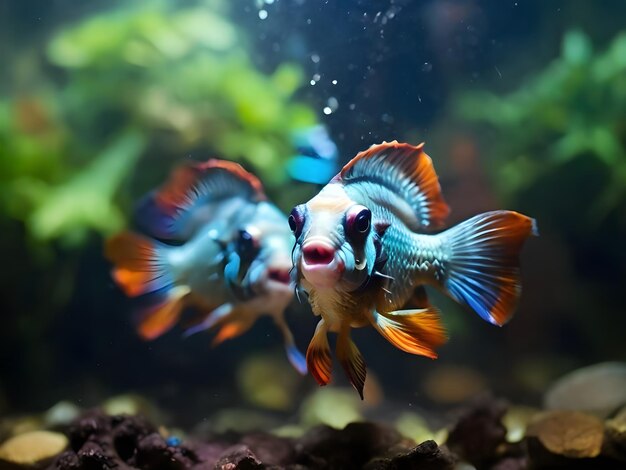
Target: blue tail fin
[[483, 268]]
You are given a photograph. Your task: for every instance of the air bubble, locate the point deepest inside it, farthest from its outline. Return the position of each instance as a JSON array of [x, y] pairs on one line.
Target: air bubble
[[315, 58], [262, 14], [327, 110], [334, 82], [427, 67]]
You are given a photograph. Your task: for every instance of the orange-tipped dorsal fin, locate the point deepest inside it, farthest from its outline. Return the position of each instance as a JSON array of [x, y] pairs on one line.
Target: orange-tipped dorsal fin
[[215, 179], [402, 170], [168, 212]]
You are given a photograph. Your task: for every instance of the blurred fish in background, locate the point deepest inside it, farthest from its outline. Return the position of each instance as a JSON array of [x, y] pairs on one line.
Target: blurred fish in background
[[316, 158], [210, 239]]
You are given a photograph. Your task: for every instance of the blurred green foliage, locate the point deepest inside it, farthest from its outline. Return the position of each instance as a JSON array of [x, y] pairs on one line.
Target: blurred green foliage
[[123, 95], [567, 119]]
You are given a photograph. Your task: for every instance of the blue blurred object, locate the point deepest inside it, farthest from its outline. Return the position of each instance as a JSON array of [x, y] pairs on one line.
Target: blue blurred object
[[173, 441], [316, 161]]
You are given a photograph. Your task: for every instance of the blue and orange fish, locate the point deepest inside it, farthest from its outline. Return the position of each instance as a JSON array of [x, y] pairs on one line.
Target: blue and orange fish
[[213, 241], [362, 252]]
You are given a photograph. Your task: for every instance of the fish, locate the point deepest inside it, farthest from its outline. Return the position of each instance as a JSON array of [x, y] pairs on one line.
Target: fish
[[210, 239], [316, 159], [372, 239]]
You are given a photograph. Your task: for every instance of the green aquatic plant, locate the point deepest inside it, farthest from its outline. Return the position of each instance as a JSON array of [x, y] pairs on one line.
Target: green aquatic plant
[[125, 94], [568, 117], [95, 114], [556, 148]]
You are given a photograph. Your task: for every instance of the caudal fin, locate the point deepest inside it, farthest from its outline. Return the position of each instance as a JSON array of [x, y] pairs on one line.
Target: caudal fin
[[483, 267], [414, 331], [141, 268]]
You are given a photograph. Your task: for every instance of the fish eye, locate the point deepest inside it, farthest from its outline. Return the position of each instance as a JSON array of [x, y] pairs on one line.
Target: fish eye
[[358, 221], [296, 221], [362, 221]]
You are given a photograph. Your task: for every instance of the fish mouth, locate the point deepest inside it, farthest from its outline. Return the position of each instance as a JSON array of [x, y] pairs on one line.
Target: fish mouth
[[281, 276], [320, 264]]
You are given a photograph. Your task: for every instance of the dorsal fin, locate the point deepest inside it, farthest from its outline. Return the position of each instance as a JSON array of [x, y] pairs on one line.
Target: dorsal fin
[[168, 213], [405, 170]]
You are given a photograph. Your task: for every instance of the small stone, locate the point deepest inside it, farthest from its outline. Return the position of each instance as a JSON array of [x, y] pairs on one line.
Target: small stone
[[335, 407], [516, 421], [129, 405], [615, 442], [599, 389], [479, 432], [570, 434], [61, 414], [270, 449], [352, 447], [238, 457], [94, 455], [426, 456], [33, 447]]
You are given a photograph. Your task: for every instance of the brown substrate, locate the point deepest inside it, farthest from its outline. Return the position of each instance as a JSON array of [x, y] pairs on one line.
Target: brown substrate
[[554, 440]]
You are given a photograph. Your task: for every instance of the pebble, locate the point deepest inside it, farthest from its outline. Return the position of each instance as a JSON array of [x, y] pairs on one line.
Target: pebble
[[599, 389], [32, 447], [570, 434]]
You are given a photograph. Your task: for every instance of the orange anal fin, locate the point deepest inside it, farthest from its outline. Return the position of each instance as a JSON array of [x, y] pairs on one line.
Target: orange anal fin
[[413, 331], [351, 360], [318, 358], [155, 321], [230, 329]]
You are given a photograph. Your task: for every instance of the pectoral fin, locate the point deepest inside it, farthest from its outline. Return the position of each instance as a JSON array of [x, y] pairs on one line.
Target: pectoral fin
[[318, 355], [351, 360], [414, 331]]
